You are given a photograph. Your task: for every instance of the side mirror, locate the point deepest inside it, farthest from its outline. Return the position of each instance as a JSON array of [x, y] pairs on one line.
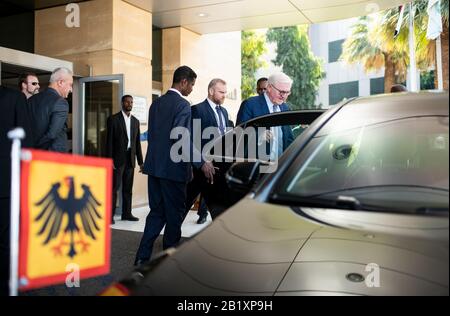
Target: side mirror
[[242, 176]]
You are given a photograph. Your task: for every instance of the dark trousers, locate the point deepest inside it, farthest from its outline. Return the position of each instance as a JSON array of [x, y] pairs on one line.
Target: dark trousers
[[197, 186], [202, 208], [167, 207], [4, 246], [124, 175]]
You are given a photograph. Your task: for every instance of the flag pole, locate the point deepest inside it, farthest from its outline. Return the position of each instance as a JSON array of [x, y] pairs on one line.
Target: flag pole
[[412, 50], [439, 63], [16, 136]]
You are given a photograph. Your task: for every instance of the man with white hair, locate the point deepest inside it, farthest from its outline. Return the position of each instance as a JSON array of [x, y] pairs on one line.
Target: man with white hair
[[272, 100], [49, 110]]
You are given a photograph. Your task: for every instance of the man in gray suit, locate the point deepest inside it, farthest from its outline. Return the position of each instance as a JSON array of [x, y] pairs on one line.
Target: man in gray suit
[[49, 110]]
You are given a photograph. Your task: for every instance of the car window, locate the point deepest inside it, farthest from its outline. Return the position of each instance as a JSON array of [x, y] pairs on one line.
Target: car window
[[401, 164], [257, 139]]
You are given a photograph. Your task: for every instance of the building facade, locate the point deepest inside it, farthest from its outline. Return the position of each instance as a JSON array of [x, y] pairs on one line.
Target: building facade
[[342, 80]]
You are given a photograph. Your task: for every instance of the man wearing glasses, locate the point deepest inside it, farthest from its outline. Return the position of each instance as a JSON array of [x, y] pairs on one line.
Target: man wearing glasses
[[271, 101], [29, 84]]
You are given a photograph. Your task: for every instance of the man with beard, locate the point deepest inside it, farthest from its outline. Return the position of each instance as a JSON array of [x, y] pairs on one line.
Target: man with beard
[[211, 114], [123, 145], [29, 84]]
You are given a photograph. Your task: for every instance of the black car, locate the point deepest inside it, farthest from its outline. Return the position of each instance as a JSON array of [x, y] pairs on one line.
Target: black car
[[358, 205]]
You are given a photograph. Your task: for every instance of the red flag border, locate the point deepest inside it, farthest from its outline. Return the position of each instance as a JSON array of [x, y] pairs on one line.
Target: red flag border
[[34, 283]]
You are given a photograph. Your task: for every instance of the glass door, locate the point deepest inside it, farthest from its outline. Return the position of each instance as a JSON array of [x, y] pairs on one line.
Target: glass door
[[99, 98]]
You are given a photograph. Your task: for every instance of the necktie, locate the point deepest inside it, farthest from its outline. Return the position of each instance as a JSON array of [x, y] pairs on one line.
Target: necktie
[[278, 135], [221, 123]]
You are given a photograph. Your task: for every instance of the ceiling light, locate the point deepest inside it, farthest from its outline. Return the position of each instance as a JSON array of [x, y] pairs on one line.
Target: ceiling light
[[202, 15]]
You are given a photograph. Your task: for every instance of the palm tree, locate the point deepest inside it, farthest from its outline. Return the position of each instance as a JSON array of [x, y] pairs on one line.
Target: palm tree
[[444, 43], [421, 19], [372, 43], [361, 48], [425, 49]]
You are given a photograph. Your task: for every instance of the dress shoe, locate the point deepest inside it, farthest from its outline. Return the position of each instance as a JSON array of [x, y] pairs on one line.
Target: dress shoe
[[130, 218], [202, 219], [139, 262]]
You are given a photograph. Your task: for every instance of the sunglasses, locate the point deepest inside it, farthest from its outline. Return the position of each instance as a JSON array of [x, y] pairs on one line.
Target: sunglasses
[[34, 83]]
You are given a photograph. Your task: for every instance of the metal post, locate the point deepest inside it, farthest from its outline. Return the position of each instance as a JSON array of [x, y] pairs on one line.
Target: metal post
[[439, 75], [16, 136], [412, 50]]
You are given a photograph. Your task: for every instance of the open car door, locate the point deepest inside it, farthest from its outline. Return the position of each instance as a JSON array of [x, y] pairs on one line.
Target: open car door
[[235, 147]]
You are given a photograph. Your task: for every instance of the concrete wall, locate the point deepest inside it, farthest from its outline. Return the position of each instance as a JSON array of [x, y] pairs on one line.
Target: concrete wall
[[90, 44], [114, 37], [211, 56]]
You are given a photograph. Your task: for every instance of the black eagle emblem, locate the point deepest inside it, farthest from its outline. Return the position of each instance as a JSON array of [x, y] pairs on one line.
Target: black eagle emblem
[[55, 209]]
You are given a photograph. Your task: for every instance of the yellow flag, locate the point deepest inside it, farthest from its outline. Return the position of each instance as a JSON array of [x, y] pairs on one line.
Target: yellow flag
[[65, 216]]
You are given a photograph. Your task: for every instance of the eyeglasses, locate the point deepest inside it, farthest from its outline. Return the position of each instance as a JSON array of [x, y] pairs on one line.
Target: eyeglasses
[[281, 92], [34, 83]]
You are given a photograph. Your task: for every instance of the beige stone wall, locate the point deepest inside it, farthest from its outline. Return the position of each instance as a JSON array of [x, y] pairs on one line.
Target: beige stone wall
[[132, 56], [90, 44], [171, 50], [211, 56], [114, 37]]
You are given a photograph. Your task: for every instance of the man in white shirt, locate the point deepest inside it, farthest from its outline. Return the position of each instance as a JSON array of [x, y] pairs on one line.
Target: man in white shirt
[[123, 145], [272, 100], [212, 115]]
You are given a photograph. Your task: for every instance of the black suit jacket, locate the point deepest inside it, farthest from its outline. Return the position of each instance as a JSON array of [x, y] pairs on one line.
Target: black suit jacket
[[207, 117], [117, 140], [13, 105], [166, 113], [49, 113]]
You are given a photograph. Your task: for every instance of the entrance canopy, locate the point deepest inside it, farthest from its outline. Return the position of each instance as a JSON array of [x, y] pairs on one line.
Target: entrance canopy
[[213, 16]]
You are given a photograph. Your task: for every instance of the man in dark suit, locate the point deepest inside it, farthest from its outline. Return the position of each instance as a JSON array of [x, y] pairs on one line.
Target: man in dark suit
[[29, 84], [13, 105], [210, 114], [123, 145], [49, 110], [168, 169], [273, 100], [261, 85]]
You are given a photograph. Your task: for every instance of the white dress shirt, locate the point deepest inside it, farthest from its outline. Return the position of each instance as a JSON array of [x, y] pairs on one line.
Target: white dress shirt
[[175, 90], [277, 148], [216, 115], [128, 127]]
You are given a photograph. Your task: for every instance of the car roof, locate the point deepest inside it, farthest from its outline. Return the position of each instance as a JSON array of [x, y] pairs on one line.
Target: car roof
[[404, 104], [283, 118]]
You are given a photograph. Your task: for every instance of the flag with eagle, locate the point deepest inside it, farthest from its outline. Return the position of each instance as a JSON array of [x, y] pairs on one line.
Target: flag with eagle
[[65, 217]]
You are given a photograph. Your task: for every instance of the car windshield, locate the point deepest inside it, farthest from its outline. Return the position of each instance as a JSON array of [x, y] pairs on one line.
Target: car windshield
[[399, 165]]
